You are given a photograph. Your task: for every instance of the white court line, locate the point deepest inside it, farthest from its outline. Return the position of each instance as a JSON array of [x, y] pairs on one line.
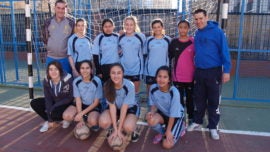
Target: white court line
[[240, 132], [16, 108]]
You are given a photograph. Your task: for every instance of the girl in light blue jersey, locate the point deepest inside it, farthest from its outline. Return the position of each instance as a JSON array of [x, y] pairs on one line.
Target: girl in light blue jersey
[[105, 49], [123, 110], [131, 51], [165, 109], [79, 47], [87, 90], [155, 51]]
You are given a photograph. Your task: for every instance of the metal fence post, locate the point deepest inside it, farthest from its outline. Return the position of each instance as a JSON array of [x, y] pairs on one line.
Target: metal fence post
[[2, 55], [14, 39], [89, 18], [129, 8], [37, 44], [240, 42]]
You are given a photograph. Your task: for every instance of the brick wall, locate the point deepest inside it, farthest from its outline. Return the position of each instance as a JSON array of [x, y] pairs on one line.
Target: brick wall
[[252, 68]]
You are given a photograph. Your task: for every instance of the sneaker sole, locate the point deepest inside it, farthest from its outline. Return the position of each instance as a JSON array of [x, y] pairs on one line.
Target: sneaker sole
[[135, 140], [195, 129], [213, 137]]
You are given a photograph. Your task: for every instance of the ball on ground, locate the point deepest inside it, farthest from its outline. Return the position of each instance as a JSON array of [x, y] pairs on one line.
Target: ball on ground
[[82, 132], [116, 143]]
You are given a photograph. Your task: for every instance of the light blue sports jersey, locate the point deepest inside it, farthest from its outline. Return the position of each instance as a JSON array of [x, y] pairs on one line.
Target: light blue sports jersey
[[157, 54], [167, 102], [132, 53], [125, 95], [106, 46], [83, 48], [88, 91]]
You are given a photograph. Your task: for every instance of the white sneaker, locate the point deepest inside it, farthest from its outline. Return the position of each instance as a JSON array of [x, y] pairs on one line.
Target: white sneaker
[[194, 126], [214, 134], [65, 124], [44, 127]]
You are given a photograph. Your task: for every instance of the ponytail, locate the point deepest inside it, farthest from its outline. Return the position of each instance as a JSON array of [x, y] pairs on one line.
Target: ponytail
[[109, 91]]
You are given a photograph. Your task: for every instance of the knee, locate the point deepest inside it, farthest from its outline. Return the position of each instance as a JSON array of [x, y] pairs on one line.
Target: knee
[[104, 123], [68, 116], [167, 145], [151, 122], [92, 122], [129, 128], [34, 103]]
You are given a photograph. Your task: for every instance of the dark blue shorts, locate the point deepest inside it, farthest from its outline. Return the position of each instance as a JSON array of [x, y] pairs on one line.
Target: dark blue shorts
[[150, 80], [133, 77]]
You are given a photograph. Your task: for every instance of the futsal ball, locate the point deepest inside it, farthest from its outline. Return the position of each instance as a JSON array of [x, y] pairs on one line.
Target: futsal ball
[[116, 143], [81, 133]]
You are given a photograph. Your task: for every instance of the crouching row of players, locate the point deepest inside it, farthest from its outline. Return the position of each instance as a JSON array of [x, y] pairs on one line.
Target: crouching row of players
[[120, 113]]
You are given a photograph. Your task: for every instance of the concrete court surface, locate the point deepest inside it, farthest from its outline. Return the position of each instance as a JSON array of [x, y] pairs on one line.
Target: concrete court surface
[[244, 127]]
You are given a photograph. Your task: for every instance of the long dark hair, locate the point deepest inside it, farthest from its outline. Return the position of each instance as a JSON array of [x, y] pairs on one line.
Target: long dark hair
[[184, 21], [155, 21], [91, 66], [58, 66], [105, 21], [165, 68], [109, 89]]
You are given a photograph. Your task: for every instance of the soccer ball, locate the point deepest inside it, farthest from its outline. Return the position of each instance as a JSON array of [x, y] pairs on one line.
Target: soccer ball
[[81, 133], [116, 143]]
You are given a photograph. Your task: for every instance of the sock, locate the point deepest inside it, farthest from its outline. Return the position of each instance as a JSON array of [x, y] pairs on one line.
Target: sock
[[158, 128], [137, 98]]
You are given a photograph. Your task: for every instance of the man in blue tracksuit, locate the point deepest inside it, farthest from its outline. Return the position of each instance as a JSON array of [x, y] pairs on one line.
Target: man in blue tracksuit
[[212, 62]]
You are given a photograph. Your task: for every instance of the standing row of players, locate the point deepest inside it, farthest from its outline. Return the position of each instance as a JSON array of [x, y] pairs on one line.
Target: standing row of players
[[134, 55]]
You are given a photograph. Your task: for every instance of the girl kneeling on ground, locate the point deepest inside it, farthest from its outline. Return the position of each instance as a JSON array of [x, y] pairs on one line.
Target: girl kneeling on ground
[[87, 90], [165, 110], [58, 96], [120, 96]]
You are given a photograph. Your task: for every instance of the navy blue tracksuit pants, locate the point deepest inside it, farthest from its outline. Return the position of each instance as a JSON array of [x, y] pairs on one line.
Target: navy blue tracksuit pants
[[207, 90]]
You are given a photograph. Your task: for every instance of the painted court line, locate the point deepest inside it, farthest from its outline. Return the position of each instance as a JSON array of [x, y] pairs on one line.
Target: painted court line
[[240, 132], [16, 108]]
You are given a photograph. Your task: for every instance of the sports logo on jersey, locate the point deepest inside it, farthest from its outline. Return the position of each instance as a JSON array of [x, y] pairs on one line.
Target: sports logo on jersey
[[66, 88], [66, 29], [86, 87]]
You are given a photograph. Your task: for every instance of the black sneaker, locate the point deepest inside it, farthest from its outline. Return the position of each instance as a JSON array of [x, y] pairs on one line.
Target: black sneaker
[[109, 132], [95, 128], [134, 137]]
